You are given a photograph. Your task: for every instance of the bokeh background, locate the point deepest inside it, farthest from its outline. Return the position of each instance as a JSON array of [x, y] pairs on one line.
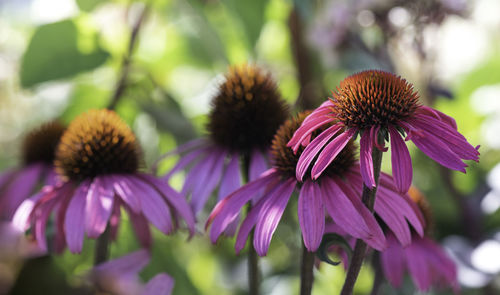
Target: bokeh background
[[164, 60]]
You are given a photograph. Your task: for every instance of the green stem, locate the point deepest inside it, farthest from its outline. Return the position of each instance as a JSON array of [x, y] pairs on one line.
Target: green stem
[[358, 256], [102, 247], [306, 271]]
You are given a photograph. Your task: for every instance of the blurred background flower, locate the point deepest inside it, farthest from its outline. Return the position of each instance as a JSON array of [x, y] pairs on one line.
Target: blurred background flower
[[164, 59]]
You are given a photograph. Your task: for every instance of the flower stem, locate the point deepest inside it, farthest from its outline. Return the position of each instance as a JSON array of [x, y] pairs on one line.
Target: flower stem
[[368, 199], [379, 277], [125, 67], [306, 271], [102, 247], [253, 269], [253, 258]]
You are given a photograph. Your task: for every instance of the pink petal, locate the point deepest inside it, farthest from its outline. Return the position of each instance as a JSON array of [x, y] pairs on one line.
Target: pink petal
[[98, 208], [366, 160], [154, 206], [439, 115], [122, 187], [161, 284], [185, 160], [393, 262], [401, 162], [207, 180], [331, 151], [74, 221], [174, 199], [439, 153], [270, 215], [418, 267], [128, 265], [228, 209], [141, 228], [20, 188], [258, 165], [312, 150], [22, 215], [231, 181], [311, 213]]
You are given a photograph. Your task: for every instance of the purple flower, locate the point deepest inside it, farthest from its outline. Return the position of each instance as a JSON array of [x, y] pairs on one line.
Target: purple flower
[[37, 168], [98, 160], [246, 112], [377, 104], [335, 193], [121, 276], [425, 260]]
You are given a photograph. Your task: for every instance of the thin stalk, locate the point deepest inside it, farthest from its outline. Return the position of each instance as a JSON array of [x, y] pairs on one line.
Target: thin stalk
[[253, 258], [306, 271], [368, 199], [121, 84], [102, 247], [379, 276]]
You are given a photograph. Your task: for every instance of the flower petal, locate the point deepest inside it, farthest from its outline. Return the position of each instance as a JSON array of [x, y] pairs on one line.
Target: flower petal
[[228, 208], [161, 284], [312, 150], [270, 215], [258, 164], [74, 221], [311, 213], [98, 207], [122, 187], [393, 262], [401, 162], [366, 160], [331, 151], [154, 206]]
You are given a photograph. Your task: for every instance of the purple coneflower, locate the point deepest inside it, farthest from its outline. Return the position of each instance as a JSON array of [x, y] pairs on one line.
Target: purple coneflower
[[121, 276], [98, 159], [37, 168], [377, 105], [335, 192], [424, 259], [246, 112]]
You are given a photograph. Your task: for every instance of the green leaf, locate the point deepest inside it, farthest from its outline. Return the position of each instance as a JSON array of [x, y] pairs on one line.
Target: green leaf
[[88, 5], [53, 53], [333, 240], [252, 17]]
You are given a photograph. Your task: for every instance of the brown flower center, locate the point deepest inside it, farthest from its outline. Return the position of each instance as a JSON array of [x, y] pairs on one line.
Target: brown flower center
[[247, 110], [286, 160], [95, 143], [374, 98], [40, 144]]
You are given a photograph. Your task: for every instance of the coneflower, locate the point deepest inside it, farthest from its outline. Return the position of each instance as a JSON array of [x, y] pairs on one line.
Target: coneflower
[[336, 192], [37, 168], [98, 161], [247, 109], [425, 260], [379, 105]]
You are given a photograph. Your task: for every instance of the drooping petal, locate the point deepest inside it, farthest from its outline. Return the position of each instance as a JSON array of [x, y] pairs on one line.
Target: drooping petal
[[161, 284], [345, 204], [114, 220], [154, 206], [185, 160], [393, 262], [366, 160], [74, 221], [270, 215], [231, 181], [313, 149], [196, 144], [20, 188], [439, 153], [98, 207], [22, 216], [228, 209], [258, 164], [418, 267], [331, 151], [394, 220], [141, 228], [311, 212], [401, 161], [439, 115], [174, 199], [122, 187], [210, 175], [130, 264]]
